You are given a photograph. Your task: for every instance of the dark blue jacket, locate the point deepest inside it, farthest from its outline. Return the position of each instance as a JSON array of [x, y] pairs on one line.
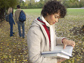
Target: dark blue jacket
[[11, 21]]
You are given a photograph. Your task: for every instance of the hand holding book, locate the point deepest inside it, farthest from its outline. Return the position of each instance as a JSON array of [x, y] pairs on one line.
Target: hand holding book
[[63, 51], [68, 42]]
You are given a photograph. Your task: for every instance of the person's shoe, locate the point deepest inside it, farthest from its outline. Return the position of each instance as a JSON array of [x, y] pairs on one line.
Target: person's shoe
[[11, 35], [23, 37]]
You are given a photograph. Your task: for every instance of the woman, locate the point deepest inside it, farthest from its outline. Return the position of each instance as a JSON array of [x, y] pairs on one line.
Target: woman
[[41, 35], [11, 21]]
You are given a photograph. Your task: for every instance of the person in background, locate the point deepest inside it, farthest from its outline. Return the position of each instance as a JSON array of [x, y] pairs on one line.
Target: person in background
[[20, 24], [11, 20], [41, 35]]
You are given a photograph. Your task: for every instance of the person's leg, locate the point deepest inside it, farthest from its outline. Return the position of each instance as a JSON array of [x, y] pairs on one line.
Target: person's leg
[[19, 29], [23, 30], [11, 30]]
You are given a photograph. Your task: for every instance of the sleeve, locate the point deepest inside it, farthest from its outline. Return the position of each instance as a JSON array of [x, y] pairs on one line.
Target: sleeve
[[15, 17], [59, 40], [11, 18], [33, 41]]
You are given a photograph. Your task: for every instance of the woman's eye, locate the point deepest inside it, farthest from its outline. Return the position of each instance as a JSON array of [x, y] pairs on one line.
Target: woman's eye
[[55, 16]]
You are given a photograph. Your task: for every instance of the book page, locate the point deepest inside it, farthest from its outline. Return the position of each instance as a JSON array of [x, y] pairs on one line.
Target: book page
[[58, 55], [68, 50], [59, 52]]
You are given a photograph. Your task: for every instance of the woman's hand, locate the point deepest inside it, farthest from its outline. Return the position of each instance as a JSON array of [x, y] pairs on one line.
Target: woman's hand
[[13, 22], [68, 42]]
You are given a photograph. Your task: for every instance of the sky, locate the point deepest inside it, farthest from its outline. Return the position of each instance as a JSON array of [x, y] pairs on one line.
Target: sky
[[35, 0]]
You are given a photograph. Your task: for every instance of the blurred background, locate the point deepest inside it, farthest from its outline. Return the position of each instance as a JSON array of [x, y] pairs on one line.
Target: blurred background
[[27, 4], [14, 49]]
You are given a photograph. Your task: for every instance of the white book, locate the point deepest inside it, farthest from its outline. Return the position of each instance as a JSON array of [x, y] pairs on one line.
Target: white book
[[59, 52]]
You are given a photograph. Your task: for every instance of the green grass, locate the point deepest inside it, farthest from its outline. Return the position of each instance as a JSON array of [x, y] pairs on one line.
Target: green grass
[[32, 11], [75, 12], [69, 11]]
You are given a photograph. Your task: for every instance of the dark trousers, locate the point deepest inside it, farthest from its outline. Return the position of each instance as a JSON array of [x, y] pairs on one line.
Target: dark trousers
[[20, 24], [11, 29]]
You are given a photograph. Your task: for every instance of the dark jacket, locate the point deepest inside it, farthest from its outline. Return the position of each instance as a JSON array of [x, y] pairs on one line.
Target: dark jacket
[[11, 21]]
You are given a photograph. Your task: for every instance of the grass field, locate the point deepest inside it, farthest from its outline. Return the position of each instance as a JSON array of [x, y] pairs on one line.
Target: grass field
[[14, 49], [75, 11], [71, 11]]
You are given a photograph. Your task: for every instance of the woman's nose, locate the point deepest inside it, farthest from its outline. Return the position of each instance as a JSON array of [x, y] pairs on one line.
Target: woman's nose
[[57, 20]]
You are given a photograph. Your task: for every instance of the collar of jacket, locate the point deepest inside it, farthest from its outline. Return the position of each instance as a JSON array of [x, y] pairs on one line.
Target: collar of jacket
[[47, 24]]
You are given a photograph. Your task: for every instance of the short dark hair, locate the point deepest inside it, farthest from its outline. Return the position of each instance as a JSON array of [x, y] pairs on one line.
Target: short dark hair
[[18, 6], [52, 7]]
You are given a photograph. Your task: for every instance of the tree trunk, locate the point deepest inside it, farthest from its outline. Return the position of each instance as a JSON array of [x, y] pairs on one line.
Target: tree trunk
[[2, 14]]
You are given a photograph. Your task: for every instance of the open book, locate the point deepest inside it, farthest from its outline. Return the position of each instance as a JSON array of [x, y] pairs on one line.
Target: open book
[[59, 52]]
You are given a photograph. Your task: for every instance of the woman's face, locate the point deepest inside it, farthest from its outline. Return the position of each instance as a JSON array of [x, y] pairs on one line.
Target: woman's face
[[52, 19]]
